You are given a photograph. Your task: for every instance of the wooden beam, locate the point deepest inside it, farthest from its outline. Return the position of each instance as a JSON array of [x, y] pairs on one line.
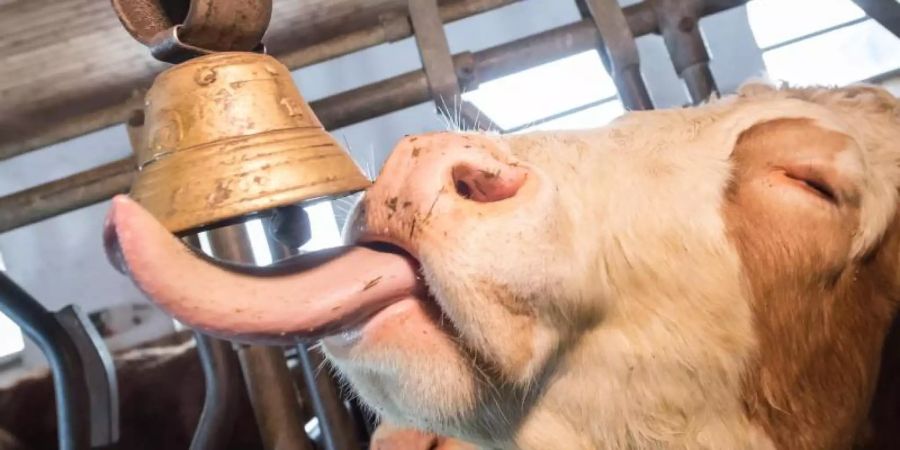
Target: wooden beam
[[69, 67]]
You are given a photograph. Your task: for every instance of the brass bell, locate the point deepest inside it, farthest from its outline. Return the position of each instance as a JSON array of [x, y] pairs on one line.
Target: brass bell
[[228, 135]]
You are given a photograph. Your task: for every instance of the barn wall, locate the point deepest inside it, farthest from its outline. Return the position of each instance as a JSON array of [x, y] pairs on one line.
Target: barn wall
[[60, 260]]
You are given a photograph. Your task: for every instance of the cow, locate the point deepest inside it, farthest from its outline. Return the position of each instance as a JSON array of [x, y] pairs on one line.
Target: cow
[[722, 277]]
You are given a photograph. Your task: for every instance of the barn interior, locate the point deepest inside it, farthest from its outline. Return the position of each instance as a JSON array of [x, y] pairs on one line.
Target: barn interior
[[75, 334]]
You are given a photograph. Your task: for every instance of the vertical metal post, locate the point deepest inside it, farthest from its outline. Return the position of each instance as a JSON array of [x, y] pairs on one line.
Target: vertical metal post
[[336, 427], [275, 402], [620, 54], [440, 71], [885, 12], [220, 373], [271, 391], [221, 381], [679, 24], [335, 423], [99, 372]]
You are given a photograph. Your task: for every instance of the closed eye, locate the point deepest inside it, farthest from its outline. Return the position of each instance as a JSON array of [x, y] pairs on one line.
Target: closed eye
[[817, 187]]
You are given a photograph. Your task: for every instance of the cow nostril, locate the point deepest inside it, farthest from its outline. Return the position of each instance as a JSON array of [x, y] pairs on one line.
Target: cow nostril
[[486, 185], [463, 189]]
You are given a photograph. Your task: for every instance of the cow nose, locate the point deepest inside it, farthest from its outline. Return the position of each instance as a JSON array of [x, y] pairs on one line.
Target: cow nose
[[437, 176], [486, 183], [471, 165]]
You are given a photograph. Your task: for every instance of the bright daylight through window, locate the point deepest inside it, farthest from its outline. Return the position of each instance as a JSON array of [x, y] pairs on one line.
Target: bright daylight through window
[[11, 341], [804, 42], [583, 96], [829, 42]]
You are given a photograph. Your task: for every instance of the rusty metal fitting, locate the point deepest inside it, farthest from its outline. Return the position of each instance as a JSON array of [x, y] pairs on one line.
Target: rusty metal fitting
[[176, 31]]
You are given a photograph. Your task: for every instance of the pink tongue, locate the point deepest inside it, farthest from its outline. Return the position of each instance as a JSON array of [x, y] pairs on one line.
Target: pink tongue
[[324, 300]]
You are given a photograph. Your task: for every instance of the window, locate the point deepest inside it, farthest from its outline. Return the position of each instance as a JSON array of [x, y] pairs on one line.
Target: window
[[826, 42], [570, 93], [11, 340]]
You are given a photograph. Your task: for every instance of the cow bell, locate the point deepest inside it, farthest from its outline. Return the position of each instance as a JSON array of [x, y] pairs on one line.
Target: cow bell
[[227, 136]]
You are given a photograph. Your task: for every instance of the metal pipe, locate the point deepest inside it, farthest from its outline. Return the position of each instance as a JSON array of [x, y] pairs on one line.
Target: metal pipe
[[335, 423], [679, 24], [699, 82], [221, 377], [66, 194], [269, 385], [336, 427], [69, 384], [349, 107], [275, 402], [100, 375], [222, 380], [619, 53]]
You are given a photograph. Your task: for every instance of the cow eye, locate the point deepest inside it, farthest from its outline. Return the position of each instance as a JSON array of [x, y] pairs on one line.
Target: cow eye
[[823, 189], [816, 186]]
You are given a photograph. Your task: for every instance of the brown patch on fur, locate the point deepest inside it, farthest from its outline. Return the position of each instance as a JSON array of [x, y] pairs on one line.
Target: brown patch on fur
[[882, 432], [821, 318]]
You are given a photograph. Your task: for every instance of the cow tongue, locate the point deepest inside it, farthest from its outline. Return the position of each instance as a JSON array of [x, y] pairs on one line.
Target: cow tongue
[[327, 299]]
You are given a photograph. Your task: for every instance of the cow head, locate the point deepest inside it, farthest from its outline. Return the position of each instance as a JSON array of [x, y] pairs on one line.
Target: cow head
[[720, 276]]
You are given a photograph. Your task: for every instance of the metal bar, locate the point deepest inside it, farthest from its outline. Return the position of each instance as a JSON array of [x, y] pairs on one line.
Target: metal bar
[[680, 27], [112, 100], [269, 385], [99, 372], [69, 384], [336, 424], [434, 51], [66, 194], [356, 105], [274, 400], [440, 71], [620, 53], [885, 12], [221, 376]]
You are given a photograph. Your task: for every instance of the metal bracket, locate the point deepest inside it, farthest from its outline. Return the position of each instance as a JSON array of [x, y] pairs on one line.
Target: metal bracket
[[680, 28], [440, 70], [620, 53], [175, 33], [167, 46]]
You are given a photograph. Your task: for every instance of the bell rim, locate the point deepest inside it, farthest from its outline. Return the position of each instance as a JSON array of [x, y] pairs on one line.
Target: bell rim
[[155, 186]]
